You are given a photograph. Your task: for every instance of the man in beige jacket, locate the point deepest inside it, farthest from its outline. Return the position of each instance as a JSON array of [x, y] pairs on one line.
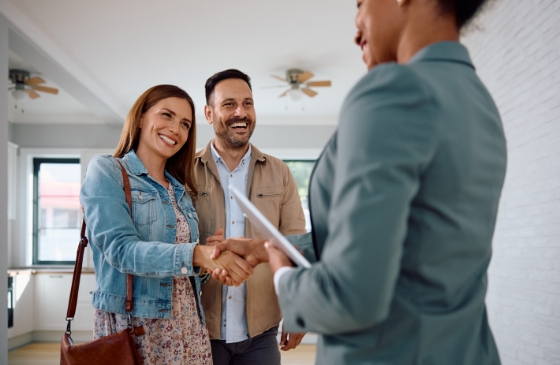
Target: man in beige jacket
[[242, 321]]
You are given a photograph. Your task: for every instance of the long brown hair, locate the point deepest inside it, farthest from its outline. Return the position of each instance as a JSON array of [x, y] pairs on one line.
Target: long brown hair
[[181, 164]]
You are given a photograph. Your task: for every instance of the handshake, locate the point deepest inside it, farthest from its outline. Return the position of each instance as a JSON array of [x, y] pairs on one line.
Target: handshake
[[231, 261]]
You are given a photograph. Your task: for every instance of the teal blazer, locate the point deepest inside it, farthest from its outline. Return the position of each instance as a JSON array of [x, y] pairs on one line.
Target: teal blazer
[[403, 205]]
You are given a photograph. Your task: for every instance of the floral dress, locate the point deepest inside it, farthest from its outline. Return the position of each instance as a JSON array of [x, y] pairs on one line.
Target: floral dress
[[179, 339]]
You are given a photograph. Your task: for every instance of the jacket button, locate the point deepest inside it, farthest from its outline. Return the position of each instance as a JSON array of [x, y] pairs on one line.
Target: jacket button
[[184, 271], [300, 322]]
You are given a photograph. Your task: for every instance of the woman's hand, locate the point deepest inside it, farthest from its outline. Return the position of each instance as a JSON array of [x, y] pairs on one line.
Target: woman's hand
[[217, 238]]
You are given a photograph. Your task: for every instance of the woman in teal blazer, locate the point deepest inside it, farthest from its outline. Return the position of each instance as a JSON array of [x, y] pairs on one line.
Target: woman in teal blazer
[[403, 201]]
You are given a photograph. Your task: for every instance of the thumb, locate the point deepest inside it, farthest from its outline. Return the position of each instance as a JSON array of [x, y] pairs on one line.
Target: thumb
[[215, 253], [219, 232]]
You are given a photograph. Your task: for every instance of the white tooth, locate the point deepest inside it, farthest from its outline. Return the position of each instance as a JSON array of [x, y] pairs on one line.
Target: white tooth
[[167, 139]]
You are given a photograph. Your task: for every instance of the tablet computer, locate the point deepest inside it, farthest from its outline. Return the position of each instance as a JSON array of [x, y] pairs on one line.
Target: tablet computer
[[266, 228]]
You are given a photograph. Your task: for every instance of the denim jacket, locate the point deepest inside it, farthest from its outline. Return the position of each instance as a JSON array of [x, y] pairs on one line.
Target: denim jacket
[[143, 245]]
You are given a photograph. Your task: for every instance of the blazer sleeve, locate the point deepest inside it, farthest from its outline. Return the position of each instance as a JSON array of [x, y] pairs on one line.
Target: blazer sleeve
[[304, 244], [386, 138], [112, 230]]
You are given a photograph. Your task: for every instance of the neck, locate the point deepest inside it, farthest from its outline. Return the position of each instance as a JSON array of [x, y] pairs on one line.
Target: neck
[[232, 157], [424, 27], [154, 164]]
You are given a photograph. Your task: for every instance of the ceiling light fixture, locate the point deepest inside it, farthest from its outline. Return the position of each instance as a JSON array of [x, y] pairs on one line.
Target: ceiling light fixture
[[19, 93], [295, 94]]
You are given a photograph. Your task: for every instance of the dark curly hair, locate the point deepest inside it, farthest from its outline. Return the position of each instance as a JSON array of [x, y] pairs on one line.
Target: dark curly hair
[[464, 10]]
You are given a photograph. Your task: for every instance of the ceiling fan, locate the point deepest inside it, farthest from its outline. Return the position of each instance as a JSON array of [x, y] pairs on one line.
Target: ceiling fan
[[23, 85], [297, 81]]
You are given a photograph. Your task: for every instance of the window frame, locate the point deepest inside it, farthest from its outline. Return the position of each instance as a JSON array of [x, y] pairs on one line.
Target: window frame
[[37, 161]]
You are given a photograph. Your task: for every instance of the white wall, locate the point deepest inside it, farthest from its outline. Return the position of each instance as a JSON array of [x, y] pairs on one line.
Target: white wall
[[517, 55], [288, 136], [4, 132]]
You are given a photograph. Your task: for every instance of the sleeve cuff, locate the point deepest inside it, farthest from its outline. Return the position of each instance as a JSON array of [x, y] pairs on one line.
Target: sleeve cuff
[[281, 271]]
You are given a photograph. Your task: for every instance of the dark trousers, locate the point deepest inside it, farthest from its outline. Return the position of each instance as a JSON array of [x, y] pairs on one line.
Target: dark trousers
[[259, 350]]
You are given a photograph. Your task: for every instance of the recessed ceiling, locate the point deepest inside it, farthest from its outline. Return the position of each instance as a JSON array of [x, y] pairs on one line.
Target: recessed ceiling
[[127, 46]]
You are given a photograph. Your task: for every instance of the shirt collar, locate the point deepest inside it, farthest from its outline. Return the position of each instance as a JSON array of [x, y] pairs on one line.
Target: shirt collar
[[448, 51], [136, 167], [217, 158]]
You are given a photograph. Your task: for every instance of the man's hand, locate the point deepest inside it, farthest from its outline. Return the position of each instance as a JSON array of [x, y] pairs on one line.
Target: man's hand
[[276, 258], [251, 250], [233, 268], [290, 341]]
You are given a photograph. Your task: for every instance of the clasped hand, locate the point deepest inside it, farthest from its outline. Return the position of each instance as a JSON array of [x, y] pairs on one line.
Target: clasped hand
[[252, 252]]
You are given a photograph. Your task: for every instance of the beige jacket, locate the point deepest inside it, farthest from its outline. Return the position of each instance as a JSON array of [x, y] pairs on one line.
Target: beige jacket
[[272, 188]]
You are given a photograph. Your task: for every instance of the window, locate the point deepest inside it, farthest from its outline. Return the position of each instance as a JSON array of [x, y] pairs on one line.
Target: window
[[302, 169], [57, 211]]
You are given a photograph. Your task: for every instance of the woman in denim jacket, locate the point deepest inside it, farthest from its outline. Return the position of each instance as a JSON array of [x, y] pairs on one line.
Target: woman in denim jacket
[[159, 244]]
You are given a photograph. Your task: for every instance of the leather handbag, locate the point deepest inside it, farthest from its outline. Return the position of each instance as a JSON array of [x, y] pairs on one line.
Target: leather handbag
[[117, 348]]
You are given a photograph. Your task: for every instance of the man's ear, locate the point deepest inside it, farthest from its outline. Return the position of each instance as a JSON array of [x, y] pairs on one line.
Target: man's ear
[[208, 113]]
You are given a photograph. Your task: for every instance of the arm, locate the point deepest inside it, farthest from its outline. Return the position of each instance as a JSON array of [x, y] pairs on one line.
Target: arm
[[385, 140], [112, 230]]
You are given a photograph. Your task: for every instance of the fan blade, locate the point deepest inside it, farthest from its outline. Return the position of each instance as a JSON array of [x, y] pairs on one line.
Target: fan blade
[[308, 92], [50, 90], [319, 83], [279, 78], [284, 93], [32, 94], [35, 81], [303, 77]]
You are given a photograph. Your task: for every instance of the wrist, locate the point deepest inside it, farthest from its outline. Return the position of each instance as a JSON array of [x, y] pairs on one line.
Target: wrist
[[201, 257]]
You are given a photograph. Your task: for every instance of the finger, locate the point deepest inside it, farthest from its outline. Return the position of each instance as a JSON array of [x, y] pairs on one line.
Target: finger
[[299, 337], [284, 337], [219, 232], [292, 340], [216, 274], [240, 270]]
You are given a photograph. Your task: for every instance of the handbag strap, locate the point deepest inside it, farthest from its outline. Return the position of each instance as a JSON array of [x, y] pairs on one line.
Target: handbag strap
[[72, 302]]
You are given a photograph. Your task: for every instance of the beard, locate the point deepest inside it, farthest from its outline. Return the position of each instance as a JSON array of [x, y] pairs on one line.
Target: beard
[[232, 140]]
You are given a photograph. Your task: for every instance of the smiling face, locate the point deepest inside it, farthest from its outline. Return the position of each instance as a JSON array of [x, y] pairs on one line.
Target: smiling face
[[164, 128], [232, 114], [380, 24]]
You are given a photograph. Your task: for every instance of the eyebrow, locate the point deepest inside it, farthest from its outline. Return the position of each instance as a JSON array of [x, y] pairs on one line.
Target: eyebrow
[[175, 114], [232, 99]]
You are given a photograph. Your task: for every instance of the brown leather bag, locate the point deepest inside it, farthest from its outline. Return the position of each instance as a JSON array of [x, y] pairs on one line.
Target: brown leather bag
[[117, 348]]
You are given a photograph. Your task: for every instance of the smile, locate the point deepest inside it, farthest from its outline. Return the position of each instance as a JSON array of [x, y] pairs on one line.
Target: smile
[[167, 139], [239, 125]]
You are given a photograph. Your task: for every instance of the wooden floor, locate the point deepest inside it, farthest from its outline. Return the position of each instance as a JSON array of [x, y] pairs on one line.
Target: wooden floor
[[48, 354]]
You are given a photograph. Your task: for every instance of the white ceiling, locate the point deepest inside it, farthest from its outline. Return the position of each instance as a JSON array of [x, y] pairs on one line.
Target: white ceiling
[[117, 49]]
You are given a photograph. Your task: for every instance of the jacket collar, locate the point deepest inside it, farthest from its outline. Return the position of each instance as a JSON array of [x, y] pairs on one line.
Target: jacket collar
[[136, 167], [444, 52], [205, 154]]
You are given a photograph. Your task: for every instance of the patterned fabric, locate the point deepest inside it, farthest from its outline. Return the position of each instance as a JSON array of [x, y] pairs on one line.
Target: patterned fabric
[[180, 339]]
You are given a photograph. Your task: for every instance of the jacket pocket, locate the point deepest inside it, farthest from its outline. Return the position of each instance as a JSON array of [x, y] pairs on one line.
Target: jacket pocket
[[269, 192], [143, 207]]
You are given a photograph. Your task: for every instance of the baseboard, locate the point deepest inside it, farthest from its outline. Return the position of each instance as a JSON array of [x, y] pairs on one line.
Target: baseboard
[[86, 336], [55, 336], [46, 336], [19, 341]]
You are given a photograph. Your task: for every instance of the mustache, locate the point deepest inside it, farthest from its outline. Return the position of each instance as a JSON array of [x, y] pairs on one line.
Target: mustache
[[237, 120]]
